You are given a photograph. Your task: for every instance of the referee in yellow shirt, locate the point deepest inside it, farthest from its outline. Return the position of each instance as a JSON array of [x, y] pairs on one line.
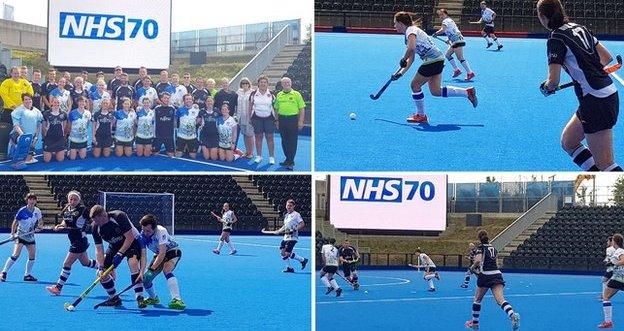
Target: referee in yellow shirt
[[290, 109], [11, 91]]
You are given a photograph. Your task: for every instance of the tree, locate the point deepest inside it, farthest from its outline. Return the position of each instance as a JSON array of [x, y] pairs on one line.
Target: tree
[[618, 191]]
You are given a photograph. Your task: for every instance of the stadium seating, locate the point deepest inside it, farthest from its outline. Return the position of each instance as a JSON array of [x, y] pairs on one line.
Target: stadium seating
[[300, 72], [573, 239], [13, 189], [195, 196], [279, 189]]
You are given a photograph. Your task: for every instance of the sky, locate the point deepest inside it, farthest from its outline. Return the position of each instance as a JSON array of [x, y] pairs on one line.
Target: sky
[[194, 14]]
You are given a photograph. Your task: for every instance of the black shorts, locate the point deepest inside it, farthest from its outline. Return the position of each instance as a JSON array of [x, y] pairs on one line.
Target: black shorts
[[79, 246], [168, 142], [458, 44], [330, 269], [133, 251], [431, 69], [227, 230], [210, 140], [288, 246], [144, 141], [431, 269], [347, 268], [597, 114], [25, 243], [170, 255], [615, 284], [124, 143], [489, 281], [608, 274], [263, 125], [73, 145], [103, 141], [54, 145], [183, 144], [488, 29]]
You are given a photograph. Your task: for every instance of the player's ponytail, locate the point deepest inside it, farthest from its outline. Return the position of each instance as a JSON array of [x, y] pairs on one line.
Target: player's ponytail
[[407, 18], [618, 240], [553, 11]]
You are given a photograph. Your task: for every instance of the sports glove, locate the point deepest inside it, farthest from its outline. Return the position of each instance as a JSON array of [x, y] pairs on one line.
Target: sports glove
[[117, 259], [544, 89], [396, 76], [403, 63], [148, 277]]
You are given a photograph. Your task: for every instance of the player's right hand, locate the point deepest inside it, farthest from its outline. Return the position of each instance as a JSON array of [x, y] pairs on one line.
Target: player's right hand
[[117, 259], [403, 63]]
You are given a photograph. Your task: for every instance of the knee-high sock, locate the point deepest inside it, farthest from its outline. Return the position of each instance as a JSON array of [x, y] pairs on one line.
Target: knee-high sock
[[63, 277], [220, 245], [465, 64], [476, 312], [607, 309], [150, 290], [92, 264], [452, 61], [467, 277], [109, 285], [419, 101], [296, 257], [29, 265], [172, 283], [334, 284], [584, 158], [325, 281], [487, 39], [613, 167], [452, 91], [287, 261], [138, 288], [9, 263], [507, 308], [496, 41], [429, 279], [230, 245]]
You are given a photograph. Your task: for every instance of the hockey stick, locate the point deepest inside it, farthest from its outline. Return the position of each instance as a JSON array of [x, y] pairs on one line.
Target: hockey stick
[[13, 238], [609, 70], [116, 295], [442, 40], [376, 96], [71, 307]]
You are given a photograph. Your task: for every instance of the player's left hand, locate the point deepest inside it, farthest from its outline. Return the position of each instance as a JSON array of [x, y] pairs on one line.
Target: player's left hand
[[396, 76], [544, 89], [117, 259]]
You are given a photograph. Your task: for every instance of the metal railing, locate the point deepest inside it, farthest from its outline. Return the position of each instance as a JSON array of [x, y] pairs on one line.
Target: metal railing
[[256, 66], [547, 204]]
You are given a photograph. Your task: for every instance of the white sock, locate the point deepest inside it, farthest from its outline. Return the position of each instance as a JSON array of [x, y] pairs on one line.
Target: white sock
[[452, 91], [29, 265], [172, 283], [496, 41], [287, 261], [326, 281], [231, 246], [334, 284], [607, 309], [220, 245], [296, 257], [452, 61], [419, 100], [431, 283], [465, 64], [150, 290], [488, 39], [8, 264]]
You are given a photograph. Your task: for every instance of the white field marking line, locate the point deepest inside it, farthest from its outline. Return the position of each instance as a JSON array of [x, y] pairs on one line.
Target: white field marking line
[[239, 243], [456, 298], [204, 163], [619, 79], [402, 281]]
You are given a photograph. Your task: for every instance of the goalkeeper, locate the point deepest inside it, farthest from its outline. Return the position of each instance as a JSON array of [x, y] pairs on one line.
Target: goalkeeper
[[349, 258], [167, 255]]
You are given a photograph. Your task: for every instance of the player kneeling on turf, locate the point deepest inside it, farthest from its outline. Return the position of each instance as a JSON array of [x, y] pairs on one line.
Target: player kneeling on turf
[[329, 254], [167, 255], [115, 228]]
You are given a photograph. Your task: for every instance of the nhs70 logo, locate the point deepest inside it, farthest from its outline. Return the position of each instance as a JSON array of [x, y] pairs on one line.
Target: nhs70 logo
[[104, 27], [382, 189]]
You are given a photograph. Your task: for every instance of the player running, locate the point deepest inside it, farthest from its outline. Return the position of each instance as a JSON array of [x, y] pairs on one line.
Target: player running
[[167, 254], [228, 218], [615, 283], [456, 44], [487, 19], [583, 57], [329, 255], [349, 258], [115, 228], [607, 260], [472, 252], [489, 278], [75, 216], [26, 223], [430, 71], [424, 261], [293, 223]]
